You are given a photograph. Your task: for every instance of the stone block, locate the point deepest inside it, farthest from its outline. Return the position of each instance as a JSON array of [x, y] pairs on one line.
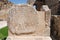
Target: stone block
[[25, 20]]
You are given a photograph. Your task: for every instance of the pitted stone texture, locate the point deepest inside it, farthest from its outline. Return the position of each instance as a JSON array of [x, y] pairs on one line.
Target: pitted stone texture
[[24, 19]]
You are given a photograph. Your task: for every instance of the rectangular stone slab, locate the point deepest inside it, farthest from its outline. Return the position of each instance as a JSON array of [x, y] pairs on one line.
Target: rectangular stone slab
[[30, 22]]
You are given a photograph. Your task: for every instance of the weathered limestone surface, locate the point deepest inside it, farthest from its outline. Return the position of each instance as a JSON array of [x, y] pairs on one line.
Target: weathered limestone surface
[[29, 21], [24, 20], [55, 26]]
